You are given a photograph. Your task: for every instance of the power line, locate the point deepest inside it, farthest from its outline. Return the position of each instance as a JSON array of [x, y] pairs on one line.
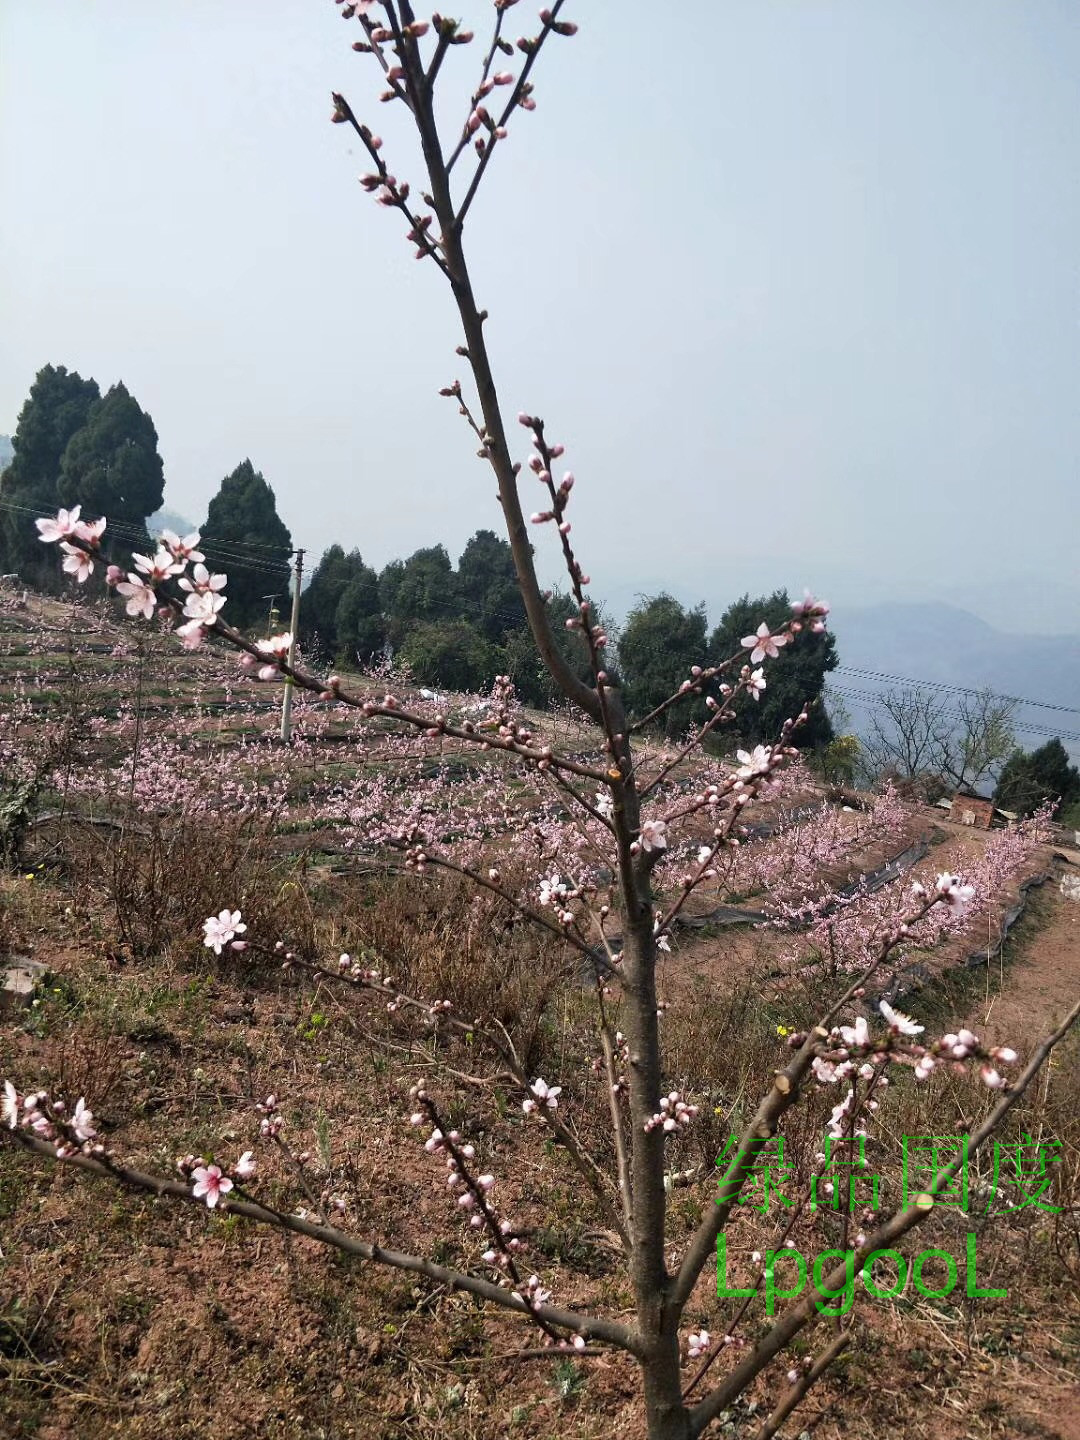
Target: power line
[[233, 548], [863, 674], [127, 530], [876, 701]]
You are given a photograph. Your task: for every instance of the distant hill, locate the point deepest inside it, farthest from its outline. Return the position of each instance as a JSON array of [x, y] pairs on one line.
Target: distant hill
[[165, 519], [941, 643], [1030, 603], [7, 452]]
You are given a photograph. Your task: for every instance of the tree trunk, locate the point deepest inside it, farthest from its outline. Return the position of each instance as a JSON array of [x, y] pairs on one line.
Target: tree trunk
[[666, 1416]]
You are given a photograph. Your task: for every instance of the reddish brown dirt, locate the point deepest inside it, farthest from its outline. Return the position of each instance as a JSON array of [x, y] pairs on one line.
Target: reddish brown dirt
[[1044, 978]]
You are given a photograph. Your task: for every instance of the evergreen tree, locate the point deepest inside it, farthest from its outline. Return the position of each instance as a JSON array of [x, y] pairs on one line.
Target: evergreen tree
[[58, 406], [488, 587], [359, 624], [1028, 780], [319, 602], [660, 642], [389, 581], [250, 543], [451, 654], [796, 678], [424, 593], [521, 661], [112, 467]]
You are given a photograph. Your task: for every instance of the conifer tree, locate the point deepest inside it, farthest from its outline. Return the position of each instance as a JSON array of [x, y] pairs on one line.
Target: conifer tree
[[247, 539], [796, 677], [111, 467], [57, 407]]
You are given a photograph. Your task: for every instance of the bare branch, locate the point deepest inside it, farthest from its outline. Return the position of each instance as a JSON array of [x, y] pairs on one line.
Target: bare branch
[[508, 109], [798, 1392], [616, 1121], [590, 1327]]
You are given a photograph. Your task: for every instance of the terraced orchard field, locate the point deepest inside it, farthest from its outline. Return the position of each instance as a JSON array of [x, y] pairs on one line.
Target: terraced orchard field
[[145, 789]]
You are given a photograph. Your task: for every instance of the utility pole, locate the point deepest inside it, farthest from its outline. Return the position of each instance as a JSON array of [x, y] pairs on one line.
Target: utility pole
[[286, 702], [271, 615]]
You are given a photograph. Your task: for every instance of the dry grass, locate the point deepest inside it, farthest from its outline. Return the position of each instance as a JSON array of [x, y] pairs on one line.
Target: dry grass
[[125, 1316]]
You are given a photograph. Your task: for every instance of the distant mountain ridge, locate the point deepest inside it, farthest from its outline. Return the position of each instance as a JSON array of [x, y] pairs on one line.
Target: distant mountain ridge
[[941, 644], [938, 642], [166, 519]]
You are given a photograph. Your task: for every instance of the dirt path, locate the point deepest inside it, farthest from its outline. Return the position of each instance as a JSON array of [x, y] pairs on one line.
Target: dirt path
[[1035, 989]]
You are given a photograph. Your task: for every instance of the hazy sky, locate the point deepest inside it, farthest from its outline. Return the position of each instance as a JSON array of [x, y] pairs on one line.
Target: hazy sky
[[795, 281]]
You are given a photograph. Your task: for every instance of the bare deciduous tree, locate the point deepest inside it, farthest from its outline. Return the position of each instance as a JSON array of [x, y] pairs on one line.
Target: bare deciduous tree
[[917, 733]]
